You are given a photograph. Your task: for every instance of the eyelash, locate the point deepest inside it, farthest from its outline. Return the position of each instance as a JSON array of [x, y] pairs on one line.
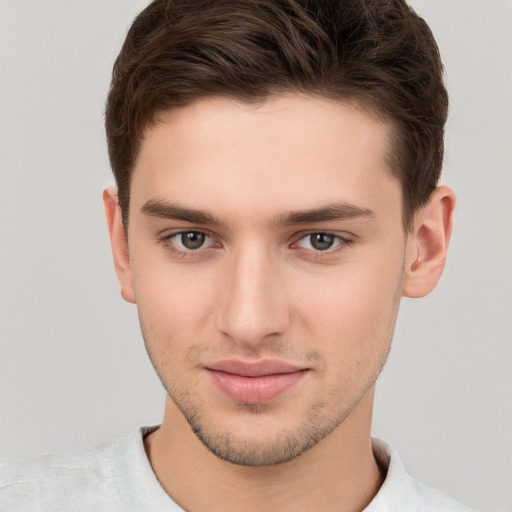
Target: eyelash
[[167, 242]]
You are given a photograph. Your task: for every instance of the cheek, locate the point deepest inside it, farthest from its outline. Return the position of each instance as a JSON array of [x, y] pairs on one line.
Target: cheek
[[174, 312], [351, 314], [176, 303]]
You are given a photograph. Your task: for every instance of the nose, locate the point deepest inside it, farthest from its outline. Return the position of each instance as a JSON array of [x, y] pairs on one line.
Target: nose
[[253, 304]]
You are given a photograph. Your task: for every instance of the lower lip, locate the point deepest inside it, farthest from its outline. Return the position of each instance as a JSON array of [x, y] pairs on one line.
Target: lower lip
[[254, 390]]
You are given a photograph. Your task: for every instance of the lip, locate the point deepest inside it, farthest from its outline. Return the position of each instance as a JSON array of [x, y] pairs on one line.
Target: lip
[[254, 382]]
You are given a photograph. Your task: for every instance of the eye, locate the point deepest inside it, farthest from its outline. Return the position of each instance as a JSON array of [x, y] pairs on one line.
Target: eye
[[188, 241], [320, 241]]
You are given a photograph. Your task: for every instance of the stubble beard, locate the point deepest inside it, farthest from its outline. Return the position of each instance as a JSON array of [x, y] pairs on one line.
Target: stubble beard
[[282, 446], [277, 447]]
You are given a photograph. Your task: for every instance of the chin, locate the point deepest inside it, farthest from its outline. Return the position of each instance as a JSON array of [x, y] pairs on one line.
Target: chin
[[256, 439], [248, 451]]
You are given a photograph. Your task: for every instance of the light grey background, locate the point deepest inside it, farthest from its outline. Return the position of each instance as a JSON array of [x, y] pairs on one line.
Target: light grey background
[[73, 370]]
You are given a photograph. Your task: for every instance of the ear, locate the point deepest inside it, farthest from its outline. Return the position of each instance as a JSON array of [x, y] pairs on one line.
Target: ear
[[428, 243], [119, 243]]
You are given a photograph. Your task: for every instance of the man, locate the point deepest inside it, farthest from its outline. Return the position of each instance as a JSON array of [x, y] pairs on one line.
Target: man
[[277, 168]]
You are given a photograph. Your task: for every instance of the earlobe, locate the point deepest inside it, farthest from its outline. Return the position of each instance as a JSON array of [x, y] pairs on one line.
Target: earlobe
[[119, 243], [427, 245]]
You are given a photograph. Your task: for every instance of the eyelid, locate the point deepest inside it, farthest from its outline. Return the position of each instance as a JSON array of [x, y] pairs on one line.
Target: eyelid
[[179, 231], [167, 241], [344, 240]]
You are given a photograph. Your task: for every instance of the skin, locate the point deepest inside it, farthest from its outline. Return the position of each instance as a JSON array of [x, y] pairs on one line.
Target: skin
[[258, 288]]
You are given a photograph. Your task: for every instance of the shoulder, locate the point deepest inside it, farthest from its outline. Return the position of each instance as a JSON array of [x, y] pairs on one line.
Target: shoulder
[[77, 480], [401, 492]]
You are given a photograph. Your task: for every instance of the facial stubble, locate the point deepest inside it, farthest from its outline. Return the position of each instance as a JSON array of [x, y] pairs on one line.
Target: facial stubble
[[282, 446]]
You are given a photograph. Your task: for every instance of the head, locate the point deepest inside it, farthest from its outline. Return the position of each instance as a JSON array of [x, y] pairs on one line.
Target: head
[[277, 165]]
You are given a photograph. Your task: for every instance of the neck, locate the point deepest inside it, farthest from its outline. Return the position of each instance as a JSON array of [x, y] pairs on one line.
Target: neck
[[339, 473]]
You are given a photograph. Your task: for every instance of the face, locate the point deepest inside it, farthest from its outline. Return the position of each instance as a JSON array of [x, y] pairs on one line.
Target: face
[[266, 261]]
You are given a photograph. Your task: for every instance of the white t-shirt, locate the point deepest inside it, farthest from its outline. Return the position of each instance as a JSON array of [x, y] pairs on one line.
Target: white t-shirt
[[117, 477]]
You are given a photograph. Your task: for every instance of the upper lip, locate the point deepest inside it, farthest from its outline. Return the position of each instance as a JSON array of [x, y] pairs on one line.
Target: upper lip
[[253, 368]]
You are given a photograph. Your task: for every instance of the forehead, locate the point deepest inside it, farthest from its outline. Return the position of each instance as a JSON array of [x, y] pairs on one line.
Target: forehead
[[288, 152]]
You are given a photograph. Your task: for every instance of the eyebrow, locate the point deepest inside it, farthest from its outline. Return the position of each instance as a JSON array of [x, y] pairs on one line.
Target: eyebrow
[[333, 211], [172, 211]]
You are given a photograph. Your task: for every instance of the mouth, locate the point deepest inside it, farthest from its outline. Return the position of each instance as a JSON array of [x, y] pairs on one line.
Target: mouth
[[254, 382]]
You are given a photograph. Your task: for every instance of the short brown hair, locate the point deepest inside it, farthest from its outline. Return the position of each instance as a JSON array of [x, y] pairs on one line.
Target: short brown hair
[[379, 53]]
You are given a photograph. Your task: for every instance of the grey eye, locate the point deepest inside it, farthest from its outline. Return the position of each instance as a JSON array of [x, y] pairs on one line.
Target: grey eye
[[321, 241], [192, 239]]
